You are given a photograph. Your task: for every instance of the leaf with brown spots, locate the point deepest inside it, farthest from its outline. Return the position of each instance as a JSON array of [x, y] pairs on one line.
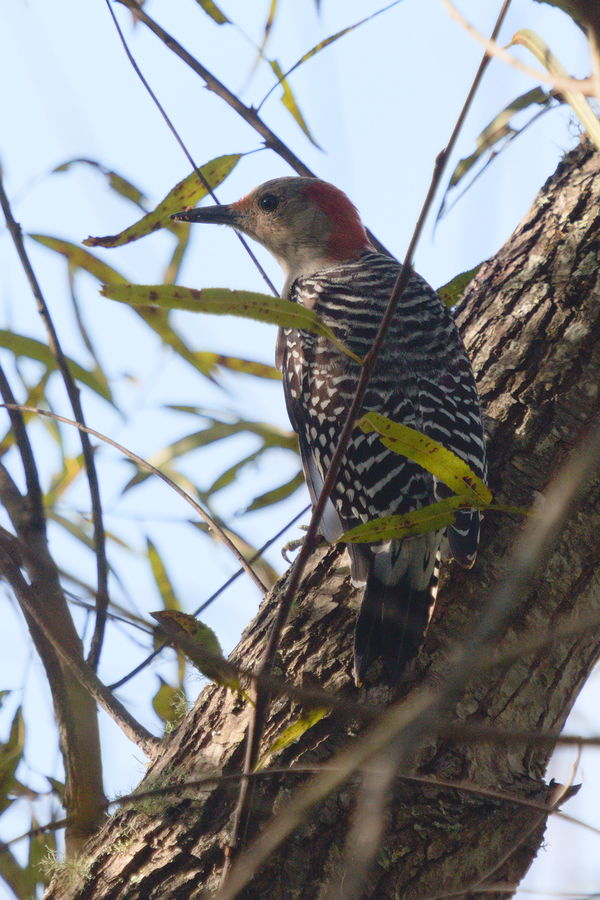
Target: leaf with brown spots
[[186, 193], [431, 455], [225, 302]]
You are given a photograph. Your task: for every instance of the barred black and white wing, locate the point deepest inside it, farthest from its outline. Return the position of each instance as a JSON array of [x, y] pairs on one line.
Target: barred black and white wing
[[422, 379]]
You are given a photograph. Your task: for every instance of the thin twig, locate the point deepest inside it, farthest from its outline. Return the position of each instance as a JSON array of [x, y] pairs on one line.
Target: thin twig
[[247, 113], [186, 152], [84, 672], [492, 48], [257, 721], [321, 46], [72, 390], [35, 507], [144, 464], [299, 770]]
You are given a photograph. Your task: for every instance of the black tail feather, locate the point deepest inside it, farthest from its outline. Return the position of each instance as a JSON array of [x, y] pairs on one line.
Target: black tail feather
[[391, 624]]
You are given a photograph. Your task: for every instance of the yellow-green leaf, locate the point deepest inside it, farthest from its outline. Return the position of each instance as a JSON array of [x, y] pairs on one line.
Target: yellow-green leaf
[[80, 258], [235, 364], [289, 101], [83, 533], [21, 345], [430, 518], [451, 292], [495, 137], [431, 455], [225, 302], [214, 12], [171, 273], [277, 494], [11, 753], [292, 734], [186, 193], [157, 319], [576, 100], [62, 481], [167, 704], [200, 644], [117, 182], [161, 578], [35, 397]]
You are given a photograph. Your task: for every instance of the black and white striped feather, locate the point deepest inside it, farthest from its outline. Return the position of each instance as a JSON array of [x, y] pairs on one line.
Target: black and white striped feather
[[423, 379]]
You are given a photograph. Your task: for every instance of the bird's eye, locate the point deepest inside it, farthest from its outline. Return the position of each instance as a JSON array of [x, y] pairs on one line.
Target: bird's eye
[[268, 202]]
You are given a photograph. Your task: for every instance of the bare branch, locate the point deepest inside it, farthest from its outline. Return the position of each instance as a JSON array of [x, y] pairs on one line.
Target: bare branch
[[80, 668], [88, 454]]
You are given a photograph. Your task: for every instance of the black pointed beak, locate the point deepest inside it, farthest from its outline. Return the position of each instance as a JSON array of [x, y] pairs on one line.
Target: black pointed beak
[[209, 215]]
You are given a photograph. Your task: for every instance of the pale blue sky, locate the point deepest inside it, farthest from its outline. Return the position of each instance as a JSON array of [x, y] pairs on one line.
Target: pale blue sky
[[381, 102]]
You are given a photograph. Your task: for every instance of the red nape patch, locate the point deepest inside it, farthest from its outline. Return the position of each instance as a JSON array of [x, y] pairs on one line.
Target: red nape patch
[[348, 237]]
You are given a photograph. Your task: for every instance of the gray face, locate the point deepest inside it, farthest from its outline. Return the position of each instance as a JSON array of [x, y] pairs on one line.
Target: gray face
[[307, 224]]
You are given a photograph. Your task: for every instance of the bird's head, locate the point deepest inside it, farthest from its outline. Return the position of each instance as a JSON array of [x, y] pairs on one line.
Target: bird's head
[[307, 224]]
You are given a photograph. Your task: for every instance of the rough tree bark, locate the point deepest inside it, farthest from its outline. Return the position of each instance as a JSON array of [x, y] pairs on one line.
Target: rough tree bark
[[531, 322]]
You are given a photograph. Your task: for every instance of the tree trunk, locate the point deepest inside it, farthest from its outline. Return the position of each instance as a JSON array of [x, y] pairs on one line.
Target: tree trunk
[[531, 323]]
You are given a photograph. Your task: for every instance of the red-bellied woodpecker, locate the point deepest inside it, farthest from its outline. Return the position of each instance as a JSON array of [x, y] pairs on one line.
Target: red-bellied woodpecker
[[422, 378]]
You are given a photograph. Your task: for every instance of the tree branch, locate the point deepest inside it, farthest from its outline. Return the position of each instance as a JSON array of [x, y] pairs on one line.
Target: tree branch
[[88, 454]]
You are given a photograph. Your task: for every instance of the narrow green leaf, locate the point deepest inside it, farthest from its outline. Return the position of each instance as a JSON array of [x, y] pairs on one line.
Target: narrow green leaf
[[227, 477], [292, 733], [214, 12], [80, 258], [117, 182], [20, 880], [268, 26], [167, 704], [171, 273], [576, 100], [11, 754], [186, 193], [161, 577], [62, 481], [277, 494], [225, 302], [451, 292], [431, 455], [270, 435], [433, 517], [290, 103], [235, 364], [35, 397], [201, 645], [156, 319], [495, 137], [21, 345], [83, 533]]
